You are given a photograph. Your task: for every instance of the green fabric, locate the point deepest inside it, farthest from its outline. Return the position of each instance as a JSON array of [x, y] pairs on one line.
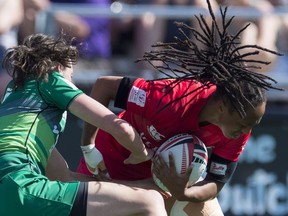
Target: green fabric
[[31, 120], [25, 191], [33, 117]]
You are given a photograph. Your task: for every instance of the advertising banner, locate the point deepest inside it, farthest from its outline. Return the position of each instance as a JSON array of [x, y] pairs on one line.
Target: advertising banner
[[260, 183]]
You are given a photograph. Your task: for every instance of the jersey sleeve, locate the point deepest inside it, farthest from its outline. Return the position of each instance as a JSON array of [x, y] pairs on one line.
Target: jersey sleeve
[[58, 91], [146, 98], [220, 169], [133, 95], [232, 149], [123, 92], [224, 159]]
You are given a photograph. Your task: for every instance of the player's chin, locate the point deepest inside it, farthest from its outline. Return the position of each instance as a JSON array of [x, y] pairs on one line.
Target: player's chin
[[232, 135]]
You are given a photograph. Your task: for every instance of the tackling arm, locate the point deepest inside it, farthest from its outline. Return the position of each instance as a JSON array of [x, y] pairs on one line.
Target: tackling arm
[[93, 112], [104, 90]]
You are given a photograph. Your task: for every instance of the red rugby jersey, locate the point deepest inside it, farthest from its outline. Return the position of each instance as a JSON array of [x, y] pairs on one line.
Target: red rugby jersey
[[144, 100]]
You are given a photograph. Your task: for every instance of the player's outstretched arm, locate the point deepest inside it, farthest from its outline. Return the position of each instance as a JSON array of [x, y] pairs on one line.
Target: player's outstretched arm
[[104, 90], [93, 112]]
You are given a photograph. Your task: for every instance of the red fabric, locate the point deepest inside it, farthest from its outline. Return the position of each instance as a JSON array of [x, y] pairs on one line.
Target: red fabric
[[155, 128]]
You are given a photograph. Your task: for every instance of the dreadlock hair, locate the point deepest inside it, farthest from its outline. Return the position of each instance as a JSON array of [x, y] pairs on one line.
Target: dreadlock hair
[[222, 63], [38, 56]]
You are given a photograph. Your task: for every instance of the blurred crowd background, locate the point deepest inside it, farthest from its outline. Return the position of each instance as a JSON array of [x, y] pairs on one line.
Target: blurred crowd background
[[116, 33]]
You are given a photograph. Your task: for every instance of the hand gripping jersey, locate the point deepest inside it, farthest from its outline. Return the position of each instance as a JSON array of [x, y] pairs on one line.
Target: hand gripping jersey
[[142, 100]]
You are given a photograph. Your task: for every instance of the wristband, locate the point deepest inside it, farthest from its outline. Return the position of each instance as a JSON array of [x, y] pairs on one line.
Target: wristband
[[92, 157]]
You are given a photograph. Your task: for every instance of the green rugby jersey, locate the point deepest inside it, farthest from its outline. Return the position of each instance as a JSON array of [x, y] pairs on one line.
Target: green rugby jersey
[[32, 118]]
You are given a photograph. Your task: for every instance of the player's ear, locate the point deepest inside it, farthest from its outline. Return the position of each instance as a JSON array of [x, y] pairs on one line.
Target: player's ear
[[60, 67], [221, 108], [224, 108], [57, 67]]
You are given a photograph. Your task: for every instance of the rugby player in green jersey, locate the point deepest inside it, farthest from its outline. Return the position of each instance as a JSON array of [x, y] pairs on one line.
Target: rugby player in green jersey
[[33, 115]]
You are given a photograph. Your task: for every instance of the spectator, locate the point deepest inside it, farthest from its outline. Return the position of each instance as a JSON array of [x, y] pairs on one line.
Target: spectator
[[93, 31], [31, 9], [263, 30], [282, 43], [149, 29], [9, 24], [4, 77], [8, 33]]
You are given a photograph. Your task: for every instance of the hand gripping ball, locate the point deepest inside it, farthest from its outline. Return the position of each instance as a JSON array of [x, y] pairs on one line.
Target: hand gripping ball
[[186, 149]]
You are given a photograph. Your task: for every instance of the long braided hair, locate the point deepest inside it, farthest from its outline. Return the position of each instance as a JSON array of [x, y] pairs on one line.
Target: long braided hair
[[222, 63]]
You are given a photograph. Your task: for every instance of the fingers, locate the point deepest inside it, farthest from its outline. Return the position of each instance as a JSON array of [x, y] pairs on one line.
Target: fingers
[[189, 170], [159, 164], [170, 166], [132, 159], [172, 163]]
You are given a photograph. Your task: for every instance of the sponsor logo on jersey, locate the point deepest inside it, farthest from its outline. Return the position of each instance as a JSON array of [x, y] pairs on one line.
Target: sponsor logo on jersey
[[154, 133], [137, 96], [218, 169], [56, 130]]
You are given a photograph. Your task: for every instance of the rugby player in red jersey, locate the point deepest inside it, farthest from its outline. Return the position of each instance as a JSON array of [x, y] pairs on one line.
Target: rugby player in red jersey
[[213, 94]]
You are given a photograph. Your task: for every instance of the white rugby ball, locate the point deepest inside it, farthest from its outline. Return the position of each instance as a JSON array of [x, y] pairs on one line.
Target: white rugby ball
[[186, 149]]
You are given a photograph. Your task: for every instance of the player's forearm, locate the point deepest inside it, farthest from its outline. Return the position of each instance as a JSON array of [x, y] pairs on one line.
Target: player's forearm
[[200, 192], [130, 139], [95, 113], [104, 90], [88, 134]]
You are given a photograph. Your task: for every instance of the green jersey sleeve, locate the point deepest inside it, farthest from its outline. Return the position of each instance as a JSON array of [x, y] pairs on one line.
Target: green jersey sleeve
[[59, 91]]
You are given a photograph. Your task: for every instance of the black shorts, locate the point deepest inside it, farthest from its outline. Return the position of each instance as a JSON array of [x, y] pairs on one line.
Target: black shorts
[[80, 204]]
